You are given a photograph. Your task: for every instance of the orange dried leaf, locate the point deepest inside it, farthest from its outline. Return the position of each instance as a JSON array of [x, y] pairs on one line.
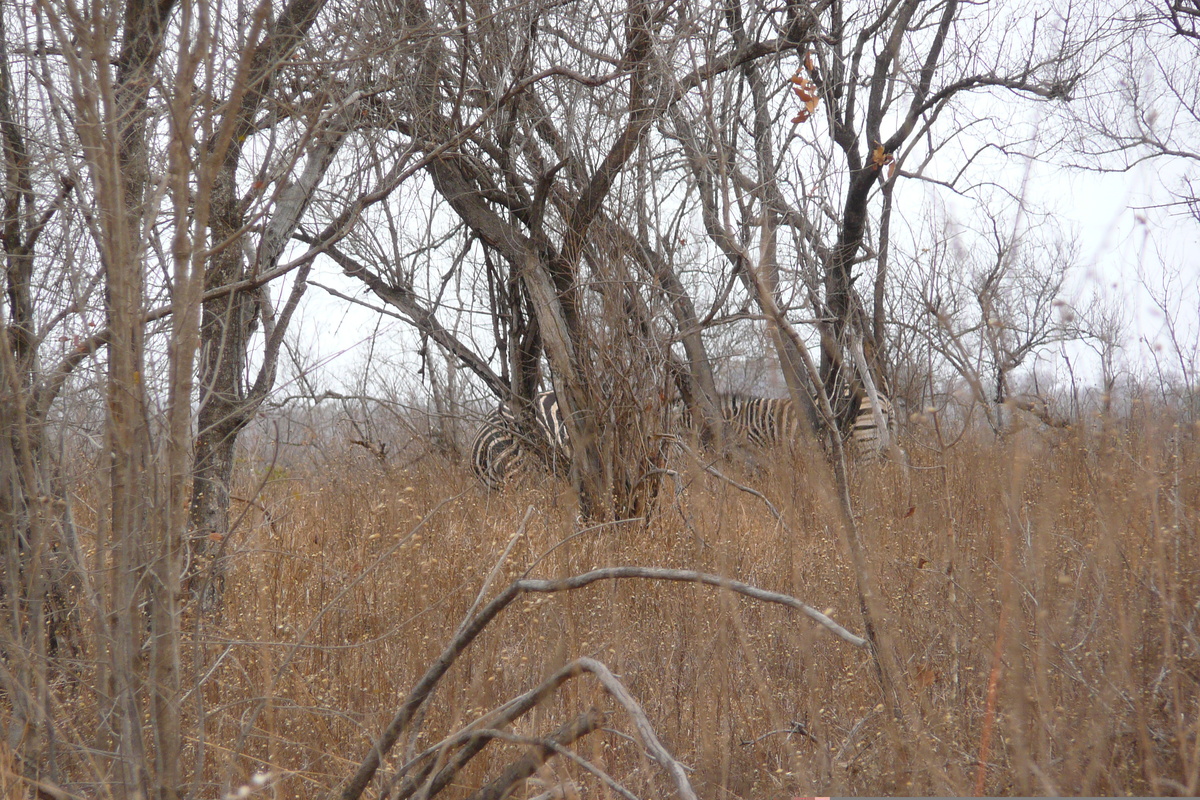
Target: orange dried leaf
[[880, 157], [812, 103], [808, 62]]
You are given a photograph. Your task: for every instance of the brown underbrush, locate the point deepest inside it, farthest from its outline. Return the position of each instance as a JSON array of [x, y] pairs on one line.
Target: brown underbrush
[[1042, 593]]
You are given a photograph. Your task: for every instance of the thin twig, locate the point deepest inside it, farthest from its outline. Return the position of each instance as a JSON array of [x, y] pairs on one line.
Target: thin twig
[[487, 583], [716, 473], [576, 535]]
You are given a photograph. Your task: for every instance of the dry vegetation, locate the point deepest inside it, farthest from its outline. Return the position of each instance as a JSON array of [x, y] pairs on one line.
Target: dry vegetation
[[1061, 567], [613, 200]]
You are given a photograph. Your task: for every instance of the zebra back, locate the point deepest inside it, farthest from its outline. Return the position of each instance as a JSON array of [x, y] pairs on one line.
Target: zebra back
[[502, 449], [772, 421], [764, 421]]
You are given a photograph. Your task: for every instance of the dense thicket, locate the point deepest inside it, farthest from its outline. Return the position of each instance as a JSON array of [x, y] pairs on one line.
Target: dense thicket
[[636, 206]]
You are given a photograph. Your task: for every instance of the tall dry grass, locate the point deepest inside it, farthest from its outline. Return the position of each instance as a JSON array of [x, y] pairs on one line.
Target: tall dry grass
[[1042, 592]]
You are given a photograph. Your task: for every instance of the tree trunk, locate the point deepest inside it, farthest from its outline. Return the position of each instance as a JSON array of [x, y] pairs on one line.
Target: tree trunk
[[790, 361], [227, 403]]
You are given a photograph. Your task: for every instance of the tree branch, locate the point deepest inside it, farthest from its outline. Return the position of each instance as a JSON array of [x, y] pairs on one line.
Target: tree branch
[[471, 628]]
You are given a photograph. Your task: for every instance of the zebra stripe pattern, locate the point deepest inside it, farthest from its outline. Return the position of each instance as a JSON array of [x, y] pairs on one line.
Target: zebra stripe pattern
[[763, 421], [548, 415], [502, 451], [772, 421], [868, 441], [496, 453]]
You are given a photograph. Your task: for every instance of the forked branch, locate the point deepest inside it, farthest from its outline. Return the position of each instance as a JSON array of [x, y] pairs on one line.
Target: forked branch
[[473, 626]]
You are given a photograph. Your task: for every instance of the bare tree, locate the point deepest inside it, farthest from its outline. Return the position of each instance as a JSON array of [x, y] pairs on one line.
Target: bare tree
[[1143, 104], [987, 315], [32, 575], [253, 107], [98, 78], [1175, 348], [880, 92], [546, 211], [122, 185], [1102, 323]]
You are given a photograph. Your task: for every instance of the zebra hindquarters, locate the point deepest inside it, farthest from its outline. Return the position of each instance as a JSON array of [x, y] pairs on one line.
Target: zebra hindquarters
[[497, 456], [869, 440]]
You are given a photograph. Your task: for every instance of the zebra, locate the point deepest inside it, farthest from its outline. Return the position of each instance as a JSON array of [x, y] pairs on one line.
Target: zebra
[[768, 422], [763, 421], [868, 441], [501, 450]]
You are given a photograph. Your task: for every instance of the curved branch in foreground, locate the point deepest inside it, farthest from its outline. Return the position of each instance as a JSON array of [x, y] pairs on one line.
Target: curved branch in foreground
[[618, 691], [472, 739], [688, 576], [473, 626]]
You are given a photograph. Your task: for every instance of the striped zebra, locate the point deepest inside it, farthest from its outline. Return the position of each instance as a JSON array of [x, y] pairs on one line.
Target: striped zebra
[[762, 421], [771, 421], [867, 440], [502, 450]]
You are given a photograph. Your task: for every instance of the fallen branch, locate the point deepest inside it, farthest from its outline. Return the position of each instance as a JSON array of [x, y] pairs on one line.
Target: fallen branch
[[659, 753], [688, 576], [483, 730], [474, 738], [473, 626]]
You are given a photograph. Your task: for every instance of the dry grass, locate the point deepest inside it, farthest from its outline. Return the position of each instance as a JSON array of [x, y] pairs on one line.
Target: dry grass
[[1065, 567]]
